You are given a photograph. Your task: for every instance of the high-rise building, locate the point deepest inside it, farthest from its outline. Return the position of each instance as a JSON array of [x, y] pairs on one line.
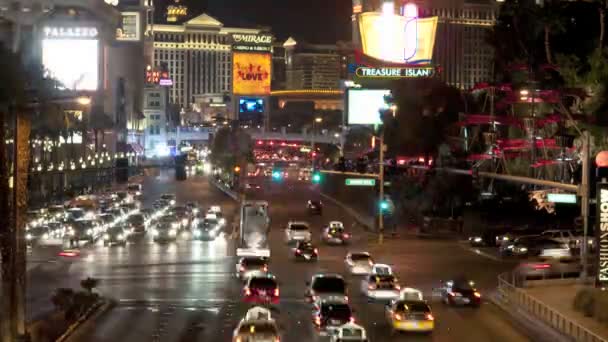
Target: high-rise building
[[198, 56], [312, 66]]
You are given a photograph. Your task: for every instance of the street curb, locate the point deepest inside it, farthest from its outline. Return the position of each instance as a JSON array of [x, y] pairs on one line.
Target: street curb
[[539, 330], [229, 193], [95, 312], [364, 221]]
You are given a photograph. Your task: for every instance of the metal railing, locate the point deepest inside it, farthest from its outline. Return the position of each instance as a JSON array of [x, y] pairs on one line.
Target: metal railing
[[511, 294]]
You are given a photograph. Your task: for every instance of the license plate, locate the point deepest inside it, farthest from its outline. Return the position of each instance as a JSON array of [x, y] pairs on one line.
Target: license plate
[[306, 256]]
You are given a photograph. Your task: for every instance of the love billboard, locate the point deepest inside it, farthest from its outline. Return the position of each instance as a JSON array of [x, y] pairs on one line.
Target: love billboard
[[251, 73]]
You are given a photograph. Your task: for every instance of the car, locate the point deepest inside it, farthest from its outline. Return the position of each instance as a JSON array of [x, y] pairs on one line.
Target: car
[[252, 187], [193, 207], [325, 285], [169, 199], [382, 269], [247, 266], [381, 287], [137, 224], [76, 213], [476, 241], [256, 330], [331, 313], [84, 230], [37, 234], [537, 246], [261, 289], [314, 207], [359, 263], [107, 219], [35, 218], [258, 313], [56, 212], [460, 291], [160, 204], [335, 233], [297, 231], [567, 237], [165, 229], [412, 316], [305, 250], [148, 214], [215, 209], [130, 208], [57, 229], [349, 332], [205, 229], [512, 235], [517, 246], [183, 215], [116, 235]]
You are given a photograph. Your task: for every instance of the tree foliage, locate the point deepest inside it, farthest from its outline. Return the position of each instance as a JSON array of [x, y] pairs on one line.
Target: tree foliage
[[231, 146]]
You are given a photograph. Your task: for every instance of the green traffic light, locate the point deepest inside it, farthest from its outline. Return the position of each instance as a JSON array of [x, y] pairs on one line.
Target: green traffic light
[[384, 205], [316, 178]]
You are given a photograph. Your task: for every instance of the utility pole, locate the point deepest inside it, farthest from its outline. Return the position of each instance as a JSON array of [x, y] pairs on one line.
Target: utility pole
[[584, 193], [381, 188]]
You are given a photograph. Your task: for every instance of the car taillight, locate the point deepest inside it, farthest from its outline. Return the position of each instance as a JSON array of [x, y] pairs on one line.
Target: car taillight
[[247, 291], [397, 317], [541, 266], [265, 268], [397, 287], [276, 292], [317, 320], [430, 317], [371, 263], [477, 294], [316, 251], [352, 319], [371, 287], [298, 251], [242, 268], [345, 235]]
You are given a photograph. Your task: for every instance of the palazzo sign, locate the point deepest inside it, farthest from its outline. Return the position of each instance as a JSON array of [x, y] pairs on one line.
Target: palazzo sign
[[70, 32], [393, 72], [602, 233]]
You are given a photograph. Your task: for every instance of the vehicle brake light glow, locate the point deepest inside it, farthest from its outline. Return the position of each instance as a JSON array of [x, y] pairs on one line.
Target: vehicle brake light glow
[[345, 235], [352, 319], [247, 291], [298, 251], [317, 320], [371, 287], [430, 317], [477, 294], [397, 317], [242, 268], [265, 268], [276, 292], [316, 251], [68, 253], [541, 266]]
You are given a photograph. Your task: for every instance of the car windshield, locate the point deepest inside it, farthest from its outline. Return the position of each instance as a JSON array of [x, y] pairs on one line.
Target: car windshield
[[360, 257], [329, 284], [136, 219], [337, 311], [299, 227], [258, 328], [412, 306], [262, 282], [464, 284], [252, 262]]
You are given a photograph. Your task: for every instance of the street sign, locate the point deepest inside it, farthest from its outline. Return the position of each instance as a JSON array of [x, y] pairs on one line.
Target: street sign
[[360, 182], [562, 198]]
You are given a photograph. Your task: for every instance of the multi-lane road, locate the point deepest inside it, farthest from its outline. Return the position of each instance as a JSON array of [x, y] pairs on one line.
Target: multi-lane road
[[186, 291]]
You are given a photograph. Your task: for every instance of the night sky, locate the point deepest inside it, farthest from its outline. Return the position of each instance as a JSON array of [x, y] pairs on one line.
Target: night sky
[[314, 21]]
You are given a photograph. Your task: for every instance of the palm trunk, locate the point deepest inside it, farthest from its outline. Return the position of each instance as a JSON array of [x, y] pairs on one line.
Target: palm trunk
[[6, 242], [548, 45], [602, 26]]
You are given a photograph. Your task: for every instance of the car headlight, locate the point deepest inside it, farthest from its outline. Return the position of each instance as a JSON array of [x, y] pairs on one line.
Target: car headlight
[[138, 193], [45, 236], [172, 232], [72, 232], [154, 232], [106, 236], [121, 237], [477, 239], [89, 231], [28, 236], [172, 202], [195, 211], [522, 249], [184, 221], [174, 225], [222, 221], [197, 233]]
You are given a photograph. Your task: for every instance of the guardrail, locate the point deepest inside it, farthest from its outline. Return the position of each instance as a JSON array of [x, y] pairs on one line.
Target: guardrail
[[513, 295]]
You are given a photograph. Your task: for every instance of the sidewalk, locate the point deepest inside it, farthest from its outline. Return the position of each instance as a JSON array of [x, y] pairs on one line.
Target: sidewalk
[[561, 299]]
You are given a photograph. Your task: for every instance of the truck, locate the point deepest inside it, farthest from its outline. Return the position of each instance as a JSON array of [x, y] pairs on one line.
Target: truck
[[254, 230]]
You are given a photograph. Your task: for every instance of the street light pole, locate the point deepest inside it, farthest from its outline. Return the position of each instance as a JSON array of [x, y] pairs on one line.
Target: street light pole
[[381, 188], [312, 139], [584, 192]]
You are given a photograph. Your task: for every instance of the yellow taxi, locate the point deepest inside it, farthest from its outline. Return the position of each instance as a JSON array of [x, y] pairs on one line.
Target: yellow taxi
[[410, 315]]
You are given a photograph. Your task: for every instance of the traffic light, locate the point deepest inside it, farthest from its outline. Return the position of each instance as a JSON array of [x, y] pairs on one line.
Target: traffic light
[[316, 177], [384, 206], [276, 175]]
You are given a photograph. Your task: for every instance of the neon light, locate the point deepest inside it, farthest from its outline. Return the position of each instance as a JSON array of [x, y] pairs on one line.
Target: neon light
[[410, 12]]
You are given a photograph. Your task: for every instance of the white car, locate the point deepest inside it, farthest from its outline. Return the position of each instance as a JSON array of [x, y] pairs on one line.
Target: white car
[[259, 313], [297, 231], [349, 332], [359, 263], [383, 287]]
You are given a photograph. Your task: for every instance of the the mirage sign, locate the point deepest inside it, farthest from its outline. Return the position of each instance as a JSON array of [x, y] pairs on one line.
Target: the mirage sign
[[251, 42], [602, 232]]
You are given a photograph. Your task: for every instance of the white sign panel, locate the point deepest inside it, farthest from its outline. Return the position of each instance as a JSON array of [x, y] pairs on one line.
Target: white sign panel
[[129, 27], [72, 62], [364, 106]]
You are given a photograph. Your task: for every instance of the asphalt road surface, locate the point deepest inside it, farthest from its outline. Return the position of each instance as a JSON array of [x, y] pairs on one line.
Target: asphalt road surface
[[186, 291]]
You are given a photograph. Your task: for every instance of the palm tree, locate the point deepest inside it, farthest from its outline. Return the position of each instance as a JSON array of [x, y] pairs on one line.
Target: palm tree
[[551, 18]]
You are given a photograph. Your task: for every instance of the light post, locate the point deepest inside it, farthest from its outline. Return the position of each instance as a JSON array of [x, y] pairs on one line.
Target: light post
[[317, 120]]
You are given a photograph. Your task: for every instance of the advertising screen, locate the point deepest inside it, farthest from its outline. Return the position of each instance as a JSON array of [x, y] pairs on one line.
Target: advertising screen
[[72, 62], [251, 73], [129, 27], [251, 105], [364, 106], [396, 38]]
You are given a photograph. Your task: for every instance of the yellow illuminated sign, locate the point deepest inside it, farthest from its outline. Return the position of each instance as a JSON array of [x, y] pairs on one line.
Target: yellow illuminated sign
[[251, 73], [397, 39]]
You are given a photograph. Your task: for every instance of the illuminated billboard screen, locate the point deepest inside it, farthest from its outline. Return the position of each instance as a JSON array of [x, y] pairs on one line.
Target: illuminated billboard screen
[[251, 73], [396, 38], [129, 27], [72, 62], [363, 105], [251, 105]]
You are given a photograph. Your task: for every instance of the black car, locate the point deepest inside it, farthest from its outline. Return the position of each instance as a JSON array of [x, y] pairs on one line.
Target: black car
[[460, 291], [205, 229], [116, 235], [37, 234], [137, 224], [306, 251], [314, 207], [330, 314]]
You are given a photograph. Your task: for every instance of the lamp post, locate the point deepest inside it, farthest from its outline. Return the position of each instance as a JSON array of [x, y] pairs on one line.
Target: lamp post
[[317, 120]]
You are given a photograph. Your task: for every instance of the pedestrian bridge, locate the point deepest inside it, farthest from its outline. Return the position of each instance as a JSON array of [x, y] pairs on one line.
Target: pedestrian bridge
[[194, 134]]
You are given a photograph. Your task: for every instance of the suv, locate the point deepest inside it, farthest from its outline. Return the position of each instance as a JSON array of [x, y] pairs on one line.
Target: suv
[[331, 313], [251, 265], [261, 289], [324, 286], [297, 231]]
